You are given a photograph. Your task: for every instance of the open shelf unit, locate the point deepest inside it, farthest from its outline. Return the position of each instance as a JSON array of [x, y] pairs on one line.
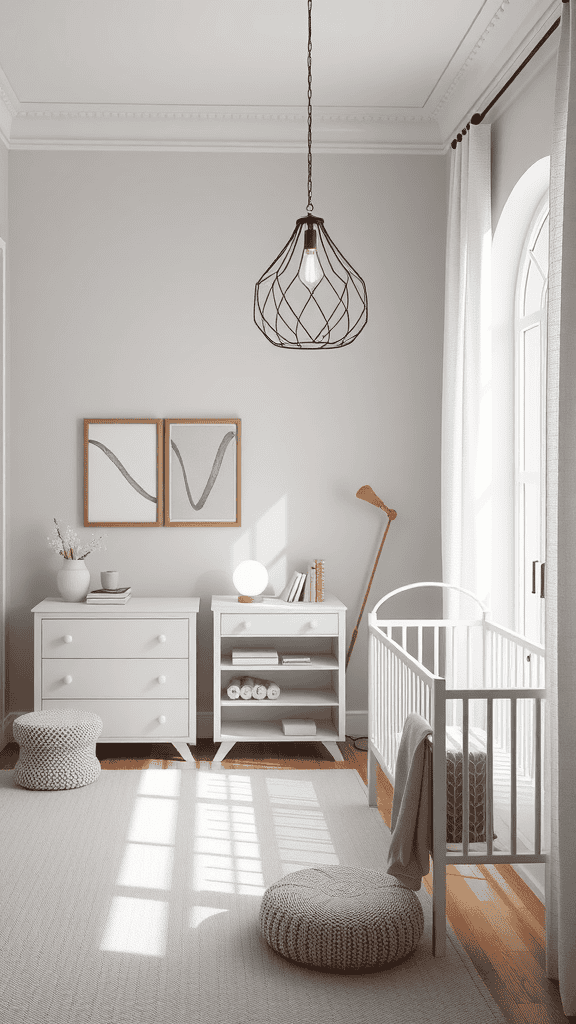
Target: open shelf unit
[[314, 690]]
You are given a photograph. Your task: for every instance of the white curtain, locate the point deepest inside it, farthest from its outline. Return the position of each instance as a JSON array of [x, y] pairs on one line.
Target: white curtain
[[466, 393], [560, 760]]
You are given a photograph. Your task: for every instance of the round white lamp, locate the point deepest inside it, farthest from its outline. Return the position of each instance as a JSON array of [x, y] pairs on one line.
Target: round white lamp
[[250, 579]]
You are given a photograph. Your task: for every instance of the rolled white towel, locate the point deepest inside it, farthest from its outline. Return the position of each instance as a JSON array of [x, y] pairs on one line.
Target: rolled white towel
[[233, 691], [246, 691], [259, 691], [273, 691]]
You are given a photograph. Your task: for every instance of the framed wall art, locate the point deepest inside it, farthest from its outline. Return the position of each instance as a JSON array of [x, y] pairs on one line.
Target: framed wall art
[[123, 472], [202, 472]]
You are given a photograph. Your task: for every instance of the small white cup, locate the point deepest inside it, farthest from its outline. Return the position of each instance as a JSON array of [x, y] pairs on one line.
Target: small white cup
[[109, 579]]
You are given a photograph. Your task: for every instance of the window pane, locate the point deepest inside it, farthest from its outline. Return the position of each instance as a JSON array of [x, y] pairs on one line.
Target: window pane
[[540, 247], [532, 393], [533, 290]]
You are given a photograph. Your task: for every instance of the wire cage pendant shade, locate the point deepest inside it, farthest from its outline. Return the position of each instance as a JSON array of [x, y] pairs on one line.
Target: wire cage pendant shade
[[310, 297]]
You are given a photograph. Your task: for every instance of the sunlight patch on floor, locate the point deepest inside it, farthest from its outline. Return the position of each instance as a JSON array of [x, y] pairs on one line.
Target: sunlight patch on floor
[[136, 926], [227, 856], [302, 834]]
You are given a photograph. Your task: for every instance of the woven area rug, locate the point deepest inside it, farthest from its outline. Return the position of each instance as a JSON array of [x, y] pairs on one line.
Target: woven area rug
[[135, 901]]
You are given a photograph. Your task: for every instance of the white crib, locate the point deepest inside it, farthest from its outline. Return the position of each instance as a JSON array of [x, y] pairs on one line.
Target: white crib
[[482, 686]]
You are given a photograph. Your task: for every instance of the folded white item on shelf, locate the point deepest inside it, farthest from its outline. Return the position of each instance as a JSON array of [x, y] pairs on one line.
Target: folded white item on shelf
[[299, 726]]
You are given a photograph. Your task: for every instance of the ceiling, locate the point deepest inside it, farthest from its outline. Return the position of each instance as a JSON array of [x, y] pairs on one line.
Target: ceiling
[[389, 75]]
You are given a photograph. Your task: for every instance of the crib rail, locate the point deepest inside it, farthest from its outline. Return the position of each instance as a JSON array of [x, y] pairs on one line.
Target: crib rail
[[482, 680]]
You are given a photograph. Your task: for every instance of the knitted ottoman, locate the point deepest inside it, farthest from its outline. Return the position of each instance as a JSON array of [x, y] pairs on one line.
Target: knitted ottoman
[[57, 749], [343, 919]]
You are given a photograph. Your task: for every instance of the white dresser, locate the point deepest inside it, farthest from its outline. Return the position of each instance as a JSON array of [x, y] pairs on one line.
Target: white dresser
[[133, 664], [312, 690]]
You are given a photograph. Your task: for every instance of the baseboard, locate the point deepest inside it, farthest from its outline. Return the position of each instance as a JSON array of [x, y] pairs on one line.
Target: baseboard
[[356, 724]]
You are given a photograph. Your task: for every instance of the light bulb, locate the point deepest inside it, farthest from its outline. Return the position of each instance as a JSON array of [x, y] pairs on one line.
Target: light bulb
[[310, 270]]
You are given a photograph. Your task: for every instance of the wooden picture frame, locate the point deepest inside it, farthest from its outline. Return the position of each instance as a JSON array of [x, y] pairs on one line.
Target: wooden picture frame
[[123, 472], [202, 472]]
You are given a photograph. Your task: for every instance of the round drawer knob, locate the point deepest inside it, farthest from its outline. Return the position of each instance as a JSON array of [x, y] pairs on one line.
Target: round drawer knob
[[67, 639], [313, 623], [162, 719], [162, 639], [245, 625], [161, 679], [68, 680]]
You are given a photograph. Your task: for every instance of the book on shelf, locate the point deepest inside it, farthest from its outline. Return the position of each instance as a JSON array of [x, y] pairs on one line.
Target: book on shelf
[[284, 596], [299, 726], [306, 586], [295, 659], [300, 587], [319, 567], [245, 657]]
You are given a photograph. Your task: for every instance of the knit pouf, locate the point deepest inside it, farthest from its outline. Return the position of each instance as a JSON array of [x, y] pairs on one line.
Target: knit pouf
[[57, 749], [341, 919]]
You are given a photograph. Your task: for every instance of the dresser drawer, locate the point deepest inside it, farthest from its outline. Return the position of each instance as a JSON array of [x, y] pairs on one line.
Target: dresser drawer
[[66, 678], [128, 718], [114, 638], [286, 624]]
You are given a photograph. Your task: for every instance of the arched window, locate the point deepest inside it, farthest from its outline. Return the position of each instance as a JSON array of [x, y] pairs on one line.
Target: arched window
[[530, 424]]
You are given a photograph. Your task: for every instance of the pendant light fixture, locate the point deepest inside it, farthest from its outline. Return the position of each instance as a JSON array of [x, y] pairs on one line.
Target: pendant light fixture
[[310, 297]]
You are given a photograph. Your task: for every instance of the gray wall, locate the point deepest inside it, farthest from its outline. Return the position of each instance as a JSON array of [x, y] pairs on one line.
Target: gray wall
[[3, 192], [132, 286], [522, 133]]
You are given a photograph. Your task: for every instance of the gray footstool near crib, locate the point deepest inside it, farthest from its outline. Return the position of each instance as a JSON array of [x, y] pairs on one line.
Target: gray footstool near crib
[[344, 919], [57, 749]]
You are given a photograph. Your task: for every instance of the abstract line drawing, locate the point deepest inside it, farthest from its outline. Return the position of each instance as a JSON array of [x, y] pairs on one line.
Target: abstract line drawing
[[202, 455], [123, 470], [213, 472]]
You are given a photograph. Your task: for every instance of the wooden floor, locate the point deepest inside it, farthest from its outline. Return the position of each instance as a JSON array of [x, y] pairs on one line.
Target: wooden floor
[[495, 915]]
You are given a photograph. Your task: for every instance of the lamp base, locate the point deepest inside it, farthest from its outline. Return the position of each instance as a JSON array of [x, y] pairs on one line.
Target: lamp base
[[244, 599]]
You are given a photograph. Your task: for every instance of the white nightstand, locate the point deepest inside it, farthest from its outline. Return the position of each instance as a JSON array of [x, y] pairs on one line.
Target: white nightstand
[[133, 664], [315, 690]]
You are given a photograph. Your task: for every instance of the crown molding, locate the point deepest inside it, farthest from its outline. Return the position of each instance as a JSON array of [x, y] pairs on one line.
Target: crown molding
[[489, 66], [485, 59], [212, 128]]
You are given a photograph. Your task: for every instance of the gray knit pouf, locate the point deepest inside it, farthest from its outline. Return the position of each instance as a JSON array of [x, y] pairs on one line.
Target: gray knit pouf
[[341, 919], [57, 749]]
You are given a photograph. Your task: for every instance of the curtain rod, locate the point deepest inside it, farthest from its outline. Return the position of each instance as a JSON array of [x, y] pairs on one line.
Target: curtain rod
[[478, 118]]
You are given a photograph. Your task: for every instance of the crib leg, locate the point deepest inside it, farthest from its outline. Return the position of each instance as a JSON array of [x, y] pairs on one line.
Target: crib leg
[[439, 913], [371, 771]]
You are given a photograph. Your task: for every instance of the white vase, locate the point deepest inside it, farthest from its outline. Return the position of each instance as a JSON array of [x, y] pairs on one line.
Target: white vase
[[73, 579]]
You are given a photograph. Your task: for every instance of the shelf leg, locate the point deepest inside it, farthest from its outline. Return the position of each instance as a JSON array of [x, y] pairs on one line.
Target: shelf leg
[[333, 749], [223, 749], [184, 750]]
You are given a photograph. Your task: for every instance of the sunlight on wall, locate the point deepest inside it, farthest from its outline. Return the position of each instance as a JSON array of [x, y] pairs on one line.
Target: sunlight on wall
[[266, 542], [139, 925]]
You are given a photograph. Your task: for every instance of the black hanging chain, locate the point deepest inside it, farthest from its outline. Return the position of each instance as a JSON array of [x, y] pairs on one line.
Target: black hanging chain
[[309, 206]]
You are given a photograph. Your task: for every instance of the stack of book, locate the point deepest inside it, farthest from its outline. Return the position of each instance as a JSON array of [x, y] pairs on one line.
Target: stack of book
[[306, 586], [254, 657], [119, 596]]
